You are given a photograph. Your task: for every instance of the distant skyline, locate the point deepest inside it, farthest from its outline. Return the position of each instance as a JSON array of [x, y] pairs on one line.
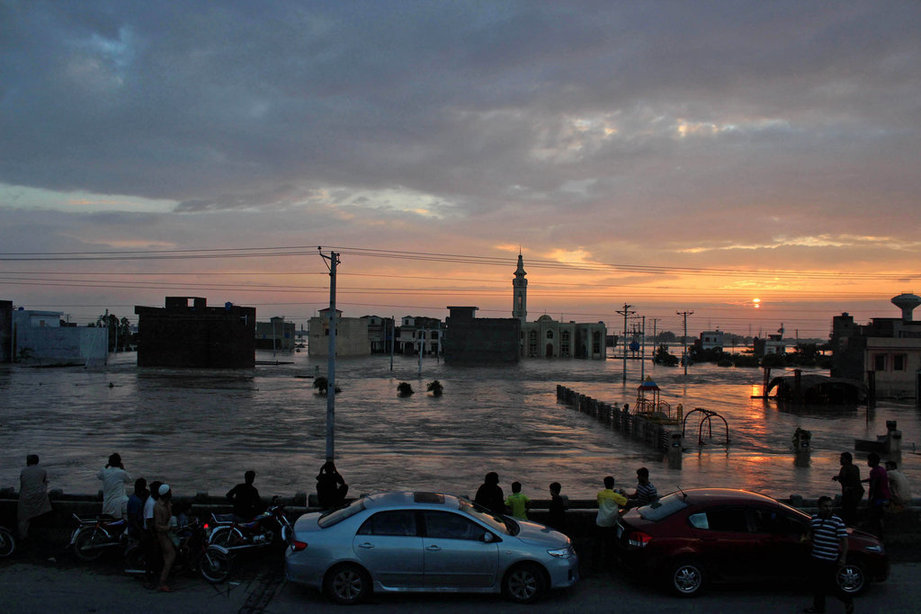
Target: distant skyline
[[674, 156]]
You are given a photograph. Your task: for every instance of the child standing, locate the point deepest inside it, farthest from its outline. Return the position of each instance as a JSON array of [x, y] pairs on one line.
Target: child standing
[[518, 502]]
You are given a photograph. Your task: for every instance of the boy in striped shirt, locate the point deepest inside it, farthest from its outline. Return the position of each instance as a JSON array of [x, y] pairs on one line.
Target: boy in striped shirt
[[829, 554]]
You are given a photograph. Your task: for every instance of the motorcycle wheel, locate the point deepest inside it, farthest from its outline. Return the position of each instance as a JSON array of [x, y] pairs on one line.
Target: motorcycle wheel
[[225, 536], [214, 565], [7, 543], [135, 560], [86, 544]]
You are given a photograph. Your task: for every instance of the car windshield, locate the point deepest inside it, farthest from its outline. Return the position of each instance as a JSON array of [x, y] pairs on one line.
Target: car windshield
[[663, 507], [336, 516], [497, 523]]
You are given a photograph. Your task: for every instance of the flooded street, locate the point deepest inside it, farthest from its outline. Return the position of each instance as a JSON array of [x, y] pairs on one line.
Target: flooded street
[[200, 430]]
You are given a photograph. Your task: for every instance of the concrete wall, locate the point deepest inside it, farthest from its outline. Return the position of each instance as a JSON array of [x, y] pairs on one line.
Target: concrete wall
[[69, 345]]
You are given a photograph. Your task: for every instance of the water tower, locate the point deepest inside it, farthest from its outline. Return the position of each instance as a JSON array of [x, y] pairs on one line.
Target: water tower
[[907, 303]]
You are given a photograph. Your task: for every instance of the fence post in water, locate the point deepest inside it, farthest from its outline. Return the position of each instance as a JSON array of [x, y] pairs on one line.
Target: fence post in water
[[674, 452]]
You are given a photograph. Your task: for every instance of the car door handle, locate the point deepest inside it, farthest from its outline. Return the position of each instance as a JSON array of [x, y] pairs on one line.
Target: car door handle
[[366, 546], [434, 548]]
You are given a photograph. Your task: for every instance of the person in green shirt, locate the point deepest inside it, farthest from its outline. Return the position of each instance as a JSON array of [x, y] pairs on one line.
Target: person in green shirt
[[518, 502]]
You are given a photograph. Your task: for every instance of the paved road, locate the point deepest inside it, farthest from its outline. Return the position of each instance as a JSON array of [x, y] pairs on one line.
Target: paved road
[[29, 586]]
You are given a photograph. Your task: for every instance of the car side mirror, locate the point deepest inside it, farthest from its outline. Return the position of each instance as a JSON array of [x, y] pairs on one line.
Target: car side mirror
[[488, 537]]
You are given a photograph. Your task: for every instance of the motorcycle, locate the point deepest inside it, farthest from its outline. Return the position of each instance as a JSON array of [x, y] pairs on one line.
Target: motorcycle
[[269, 528], [193, 553], [95, 535], [7, 543]]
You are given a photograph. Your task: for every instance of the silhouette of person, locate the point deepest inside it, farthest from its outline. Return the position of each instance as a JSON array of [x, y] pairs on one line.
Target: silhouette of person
[[489, 494], [331, 486], [245, 498], [33, 494]]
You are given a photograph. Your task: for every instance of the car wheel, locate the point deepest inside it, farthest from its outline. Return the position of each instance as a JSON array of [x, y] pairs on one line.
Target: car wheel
[[686, 578], [852, 579], [347, 584], [524, 583]]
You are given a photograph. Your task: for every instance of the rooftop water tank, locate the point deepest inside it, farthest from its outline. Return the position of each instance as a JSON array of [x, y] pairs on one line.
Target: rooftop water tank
[[907, 303]]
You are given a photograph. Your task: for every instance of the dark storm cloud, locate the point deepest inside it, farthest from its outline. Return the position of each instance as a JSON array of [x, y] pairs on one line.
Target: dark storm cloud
[[683, 110]]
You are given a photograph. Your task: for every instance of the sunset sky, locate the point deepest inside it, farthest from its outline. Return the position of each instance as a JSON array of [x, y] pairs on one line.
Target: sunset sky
[[675, 156]]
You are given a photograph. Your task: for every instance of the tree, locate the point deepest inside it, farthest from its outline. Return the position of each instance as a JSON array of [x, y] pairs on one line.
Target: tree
[[404, 389], [435, 388], [322, 386], [119, 331]]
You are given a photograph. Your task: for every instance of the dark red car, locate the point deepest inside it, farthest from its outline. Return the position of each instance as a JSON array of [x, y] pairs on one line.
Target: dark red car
[[690, 538]]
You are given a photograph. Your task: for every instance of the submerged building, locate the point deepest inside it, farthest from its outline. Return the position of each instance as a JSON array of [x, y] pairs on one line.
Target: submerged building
[[884, 354], [40, 338], [474, 341], [188, 333], [549, 338]]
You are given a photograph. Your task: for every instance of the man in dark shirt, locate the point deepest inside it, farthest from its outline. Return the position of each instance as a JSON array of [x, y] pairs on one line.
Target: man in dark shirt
[[245, 498]]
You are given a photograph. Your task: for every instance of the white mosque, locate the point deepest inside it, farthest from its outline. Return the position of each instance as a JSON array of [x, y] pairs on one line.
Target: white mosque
[[548, 338]]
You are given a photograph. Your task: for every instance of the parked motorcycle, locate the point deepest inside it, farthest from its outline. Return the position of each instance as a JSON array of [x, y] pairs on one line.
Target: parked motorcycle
[[7, 543], [269, 528], [193, 554], [95, 535]]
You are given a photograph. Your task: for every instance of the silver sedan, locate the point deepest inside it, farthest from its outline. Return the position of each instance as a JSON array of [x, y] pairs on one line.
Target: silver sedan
[[415, 542]]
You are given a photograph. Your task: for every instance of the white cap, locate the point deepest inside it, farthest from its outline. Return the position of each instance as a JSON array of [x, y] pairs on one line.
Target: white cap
[[164, 488]]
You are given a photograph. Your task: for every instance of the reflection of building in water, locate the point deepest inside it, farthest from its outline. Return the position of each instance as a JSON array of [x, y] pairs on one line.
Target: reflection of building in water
[[549, 338], [887, 350]]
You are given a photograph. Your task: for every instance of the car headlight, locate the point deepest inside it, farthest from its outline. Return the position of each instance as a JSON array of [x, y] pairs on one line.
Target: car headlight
[[561, 553]]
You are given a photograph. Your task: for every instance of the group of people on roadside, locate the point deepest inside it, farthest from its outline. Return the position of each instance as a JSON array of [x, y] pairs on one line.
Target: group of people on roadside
[[887, 490], [610, 502]]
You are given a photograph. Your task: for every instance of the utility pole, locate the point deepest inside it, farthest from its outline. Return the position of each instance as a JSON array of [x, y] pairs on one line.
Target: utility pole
[[333, 260], [684, 338], [626, 312], [643, 352]]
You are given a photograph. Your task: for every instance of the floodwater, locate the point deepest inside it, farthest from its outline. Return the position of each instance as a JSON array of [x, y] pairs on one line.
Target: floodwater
[[200, 430]]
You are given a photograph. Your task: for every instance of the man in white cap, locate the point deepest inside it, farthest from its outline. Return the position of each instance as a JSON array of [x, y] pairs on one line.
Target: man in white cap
[[163, 510]]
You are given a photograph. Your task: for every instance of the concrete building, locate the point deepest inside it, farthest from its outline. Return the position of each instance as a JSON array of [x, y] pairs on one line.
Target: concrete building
[[885, 354], [474, 341], [276, 334], [195, 335], [711, 340], [36, 337], [351, 335], [416, 330], [549, 338], [380, 333]]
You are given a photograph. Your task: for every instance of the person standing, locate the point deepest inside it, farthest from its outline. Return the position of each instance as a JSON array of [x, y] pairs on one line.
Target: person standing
[[331, 486], [245, 498], [609, 503], [645, 492], [851, 488], [556, 518], [114, 477], [33, 494], [163, 511], [135, 509], [877, 494], [489, 494], [899, 489], [829, 554], [518, 502]]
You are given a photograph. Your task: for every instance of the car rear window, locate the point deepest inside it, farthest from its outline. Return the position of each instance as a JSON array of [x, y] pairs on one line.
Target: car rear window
[[663, 508], [337, 516]]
